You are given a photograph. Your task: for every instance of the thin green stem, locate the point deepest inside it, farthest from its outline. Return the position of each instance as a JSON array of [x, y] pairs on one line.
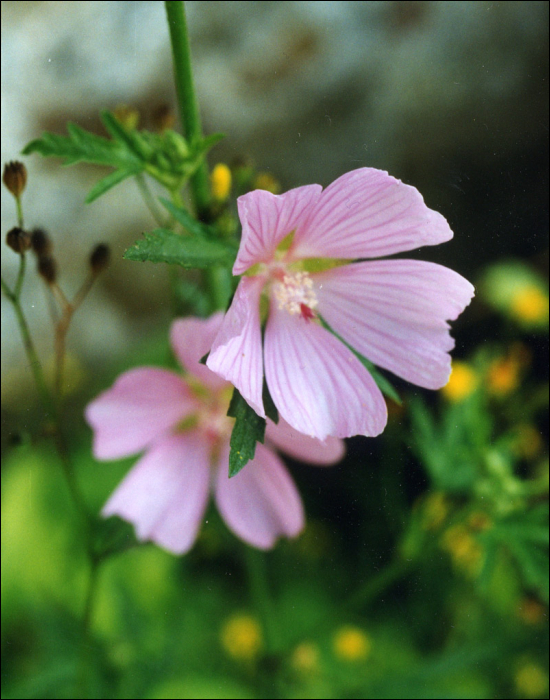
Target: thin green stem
[[19, 209], [20, 276], [30, 350], [187, 102], [378, 584], [149, 200], [86, 650], [261, 596]]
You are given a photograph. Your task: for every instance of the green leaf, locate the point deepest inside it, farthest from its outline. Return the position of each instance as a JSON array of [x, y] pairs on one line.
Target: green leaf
[[209, 142], [249, 429], [269, 406], [163, 245], [189, 223], [381, 382], [107, 183]]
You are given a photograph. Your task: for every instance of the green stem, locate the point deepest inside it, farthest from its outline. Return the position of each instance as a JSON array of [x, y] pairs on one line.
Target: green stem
[[378, 584], [86, 651], [187, 102], [261, 596], [30, 350], [19, 212], [149, 200]]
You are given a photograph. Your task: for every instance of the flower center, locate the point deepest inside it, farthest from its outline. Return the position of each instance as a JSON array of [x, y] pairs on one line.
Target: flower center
[[293, 292]]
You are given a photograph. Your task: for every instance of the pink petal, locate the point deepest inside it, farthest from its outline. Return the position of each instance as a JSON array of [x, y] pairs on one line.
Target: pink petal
[[299, 446], [366, 213], [267, 218], [236, 353], [142, 405], [165, 494], [395, 312], [191, 339], [260, 503], [317, 384]]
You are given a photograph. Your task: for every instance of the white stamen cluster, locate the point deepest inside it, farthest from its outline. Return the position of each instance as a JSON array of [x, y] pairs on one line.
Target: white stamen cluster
[[295, 289]]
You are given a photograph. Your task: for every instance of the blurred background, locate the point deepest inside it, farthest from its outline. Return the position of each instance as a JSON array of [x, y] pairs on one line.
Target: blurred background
[[423, 568]]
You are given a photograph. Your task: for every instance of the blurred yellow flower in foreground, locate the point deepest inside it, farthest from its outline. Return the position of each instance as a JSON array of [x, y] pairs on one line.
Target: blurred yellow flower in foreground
[[241, 637], [531, 681], [435, 511], [305, 658], [530, 304], [220, 181], [462, 382], [351, 644], [266, 181]]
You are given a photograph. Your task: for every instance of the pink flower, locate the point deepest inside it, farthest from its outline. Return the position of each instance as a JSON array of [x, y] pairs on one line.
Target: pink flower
[[393, 312], [181, 424]]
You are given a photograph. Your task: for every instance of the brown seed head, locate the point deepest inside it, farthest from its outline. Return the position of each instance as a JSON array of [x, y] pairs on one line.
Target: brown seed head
[[99, 258], [47, 268], [18, 240], [15, 177], [41, 242]]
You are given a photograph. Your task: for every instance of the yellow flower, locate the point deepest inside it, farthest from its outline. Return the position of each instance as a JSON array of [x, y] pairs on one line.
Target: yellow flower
[[503, 376], [530, 304], [241, 637], [531, 611], [220, 182], [435, 510], [462, 382], [351, 644], [531, 681], [465, 551], [265, 181], [305, 658], [127, 116]]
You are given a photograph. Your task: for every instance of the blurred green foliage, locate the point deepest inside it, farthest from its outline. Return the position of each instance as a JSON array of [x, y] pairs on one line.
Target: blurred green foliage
[[422, 573]]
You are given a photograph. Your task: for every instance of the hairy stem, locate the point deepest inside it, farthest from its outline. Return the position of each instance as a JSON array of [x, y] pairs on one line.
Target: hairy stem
[[187, 101]]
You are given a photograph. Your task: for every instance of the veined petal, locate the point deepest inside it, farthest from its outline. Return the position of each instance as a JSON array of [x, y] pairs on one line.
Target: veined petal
[[260, 503], [236, 353], [164, 496], [367, 213], [267, 218], [318, 385], [302, 447], [395, 313], [191, 339], [142, 405]]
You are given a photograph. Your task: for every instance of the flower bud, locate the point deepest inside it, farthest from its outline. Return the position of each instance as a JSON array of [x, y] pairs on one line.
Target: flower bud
[[41, 243], [18, 240], [15, 177], [220, 181], [99, 258], [47, 268]]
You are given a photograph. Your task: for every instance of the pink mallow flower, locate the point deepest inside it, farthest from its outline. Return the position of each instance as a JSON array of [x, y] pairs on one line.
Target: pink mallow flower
[[294, 256], [180, 423]]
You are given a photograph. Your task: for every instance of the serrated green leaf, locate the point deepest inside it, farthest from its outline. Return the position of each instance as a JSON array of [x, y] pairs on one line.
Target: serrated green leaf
[[249, 429], [107, 183], [382, 383], [163, 245]]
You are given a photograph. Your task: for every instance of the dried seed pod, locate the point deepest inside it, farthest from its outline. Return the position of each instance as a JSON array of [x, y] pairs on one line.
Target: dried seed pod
[[47, 268], [18, 240], [99, 258], [41, 242], [15, 177]]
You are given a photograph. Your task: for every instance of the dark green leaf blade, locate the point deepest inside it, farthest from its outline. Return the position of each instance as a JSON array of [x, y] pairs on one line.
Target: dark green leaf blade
[[163, 245], [249, 429], [269, 405]]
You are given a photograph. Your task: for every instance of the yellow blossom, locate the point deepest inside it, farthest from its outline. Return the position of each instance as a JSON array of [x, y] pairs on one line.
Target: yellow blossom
[[435, 510], [220, 181], [265, 181], [305, 658], [462, 382], [351, 644], [531, 611], [503, 376], [531, 681], [530, 304], [241, 637], [127, 116], [465, 551]]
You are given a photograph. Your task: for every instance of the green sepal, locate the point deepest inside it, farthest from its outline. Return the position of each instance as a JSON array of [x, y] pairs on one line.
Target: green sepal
[[249, 429]]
